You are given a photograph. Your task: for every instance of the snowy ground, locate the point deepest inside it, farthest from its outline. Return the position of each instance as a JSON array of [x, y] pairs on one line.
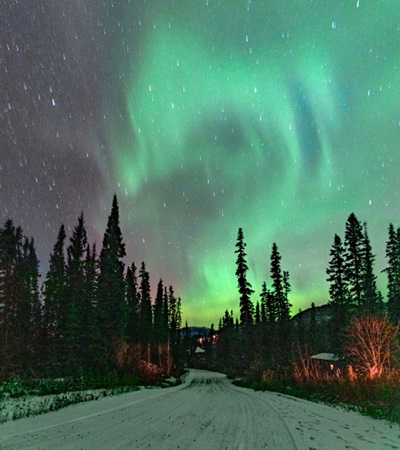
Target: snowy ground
[[206, 412]]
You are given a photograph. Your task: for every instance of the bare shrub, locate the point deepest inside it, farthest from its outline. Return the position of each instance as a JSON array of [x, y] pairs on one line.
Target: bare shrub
[[372, 345], [148, 372], [306, 369], [351, 373], [268, 375]]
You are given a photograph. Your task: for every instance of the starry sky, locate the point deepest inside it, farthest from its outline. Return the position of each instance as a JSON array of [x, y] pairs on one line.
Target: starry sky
[[278, 116]]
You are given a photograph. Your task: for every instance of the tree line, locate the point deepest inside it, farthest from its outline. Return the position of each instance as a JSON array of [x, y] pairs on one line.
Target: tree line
[[90, 316], [264, 336]]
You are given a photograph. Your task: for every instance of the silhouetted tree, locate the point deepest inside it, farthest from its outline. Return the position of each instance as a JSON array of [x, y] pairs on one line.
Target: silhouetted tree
[[111, 284], [353, 244], [280, 285], [73, 320], [90, 345], [338, 288], [20, 308], [146, 315], [245, 290], [160, 333], [10, 257], [286, 289], [339, 295], [371, 297], [133, 305], [55, 304], [34, 332], [393, 273]]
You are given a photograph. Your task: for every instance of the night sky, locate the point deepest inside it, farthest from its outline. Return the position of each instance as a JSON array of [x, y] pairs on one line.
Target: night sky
[[278, 116]]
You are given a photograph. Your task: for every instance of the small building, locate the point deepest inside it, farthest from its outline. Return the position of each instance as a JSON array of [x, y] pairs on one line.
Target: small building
[[199, 358], [330, 361]]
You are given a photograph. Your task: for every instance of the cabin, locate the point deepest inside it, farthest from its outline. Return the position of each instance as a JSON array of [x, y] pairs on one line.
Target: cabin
[[331, 362]]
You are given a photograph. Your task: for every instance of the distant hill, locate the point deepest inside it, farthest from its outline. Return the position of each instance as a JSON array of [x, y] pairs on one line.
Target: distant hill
[[323, 313]]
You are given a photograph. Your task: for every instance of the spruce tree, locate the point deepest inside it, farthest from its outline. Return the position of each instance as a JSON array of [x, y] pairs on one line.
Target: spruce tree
[[74, 320], [339, 296], [35, 331], [286, 289], [393, 273], [371, 297], [245, 290], [111, 284], [20, 308], [280, 286], [160, 333], [338, 289], [10, 254], [353, 243], [172, 302], [89, 332], [55, 302], [133, 302], [146, 314], [167, 313]]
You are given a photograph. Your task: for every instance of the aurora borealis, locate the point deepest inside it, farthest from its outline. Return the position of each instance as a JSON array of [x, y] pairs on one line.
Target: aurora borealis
[[281, 117]]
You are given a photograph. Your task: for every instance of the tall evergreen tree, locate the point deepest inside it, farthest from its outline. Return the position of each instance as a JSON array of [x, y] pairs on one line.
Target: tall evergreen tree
[[146, 314], [160, 332], [167, 314], [353, 243], [340, 298], [280, 285], [338, 289], [20, 312], [172, 302], [89, 330], [245, 290], [393, 273], [55, 303], [371, 297], [133, 303], [111, 284], [74, 321], [286, 289], [35, 331], [10, 255]]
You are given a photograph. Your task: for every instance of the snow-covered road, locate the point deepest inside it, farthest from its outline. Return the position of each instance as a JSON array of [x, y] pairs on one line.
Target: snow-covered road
[[206, 412]]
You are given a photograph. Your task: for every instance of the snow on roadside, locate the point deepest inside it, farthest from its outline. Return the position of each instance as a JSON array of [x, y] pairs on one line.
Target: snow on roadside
[[28, 405], [31, 405], [319, 426]]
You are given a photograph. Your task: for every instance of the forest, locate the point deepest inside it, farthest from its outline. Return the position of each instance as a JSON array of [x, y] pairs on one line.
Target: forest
[[345, 352], [269, 334], [93, 318]]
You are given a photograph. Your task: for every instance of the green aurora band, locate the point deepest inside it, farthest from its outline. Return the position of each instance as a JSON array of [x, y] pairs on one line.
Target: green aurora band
[[280, 117]]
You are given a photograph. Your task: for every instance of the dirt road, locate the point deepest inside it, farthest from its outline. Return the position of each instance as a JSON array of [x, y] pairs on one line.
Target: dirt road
[[206, 412]]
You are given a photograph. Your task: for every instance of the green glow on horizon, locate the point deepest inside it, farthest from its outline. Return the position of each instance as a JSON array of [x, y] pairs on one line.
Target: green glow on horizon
[[260, 116]]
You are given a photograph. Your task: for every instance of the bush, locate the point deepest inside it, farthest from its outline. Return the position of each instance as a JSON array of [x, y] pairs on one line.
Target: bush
[[149, 373]]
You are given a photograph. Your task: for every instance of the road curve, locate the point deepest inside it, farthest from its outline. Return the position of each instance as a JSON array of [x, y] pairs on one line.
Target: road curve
[[207, 412]]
